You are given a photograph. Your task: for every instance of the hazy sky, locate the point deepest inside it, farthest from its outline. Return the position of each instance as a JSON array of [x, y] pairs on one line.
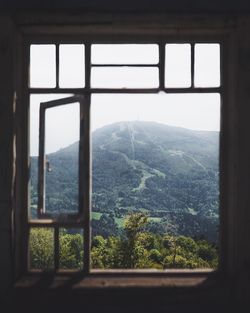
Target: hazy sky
[[193, 111]]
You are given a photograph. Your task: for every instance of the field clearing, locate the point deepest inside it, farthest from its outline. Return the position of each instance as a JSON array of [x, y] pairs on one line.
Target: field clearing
[[96, 215], [120, 221], [154, 219]]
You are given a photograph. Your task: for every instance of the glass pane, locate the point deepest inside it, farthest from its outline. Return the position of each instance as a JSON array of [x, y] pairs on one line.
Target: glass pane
[[71, 66], [178, 65], [125, 54], [43, 66], [207, 65], [155, 180], [125, 77], [71, 248], [41, 248], [62, 129], [35, 101]]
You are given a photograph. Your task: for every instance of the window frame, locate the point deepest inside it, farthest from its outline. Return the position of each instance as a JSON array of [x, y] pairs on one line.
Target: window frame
[[83, 158], [162, 39]]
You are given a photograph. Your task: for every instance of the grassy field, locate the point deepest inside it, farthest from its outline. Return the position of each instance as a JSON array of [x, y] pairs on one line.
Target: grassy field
[[96, 215], [154, 219], [120, 221]]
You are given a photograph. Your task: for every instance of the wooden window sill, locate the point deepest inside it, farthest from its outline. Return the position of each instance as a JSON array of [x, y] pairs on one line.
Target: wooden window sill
[[120, 279]]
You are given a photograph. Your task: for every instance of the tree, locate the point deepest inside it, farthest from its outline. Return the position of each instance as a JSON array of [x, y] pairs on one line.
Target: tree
[[134, 223], [177, 262], [41, 245], [136, 248], [155, 256], [71, 250]]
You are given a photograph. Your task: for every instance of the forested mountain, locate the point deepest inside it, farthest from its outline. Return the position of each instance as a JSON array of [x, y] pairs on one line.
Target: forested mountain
[[170, 173]]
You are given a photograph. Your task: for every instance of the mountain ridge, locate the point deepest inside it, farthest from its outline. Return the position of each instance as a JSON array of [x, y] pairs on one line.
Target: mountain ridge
[[169, 172]]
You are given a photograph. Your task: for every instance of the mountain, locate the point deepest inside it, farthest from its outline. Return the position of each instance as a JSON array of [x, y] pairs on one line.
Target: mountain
[[170, 173]]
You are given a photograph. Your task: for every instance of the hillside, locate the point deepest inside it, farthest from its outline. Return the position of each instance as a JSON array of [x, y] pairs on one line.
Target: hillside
[[169, 172]]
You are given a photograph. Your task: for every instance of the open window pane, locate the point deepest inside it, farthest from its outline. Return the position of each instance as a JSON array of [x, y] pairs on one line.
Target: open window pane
[[125, 77], [41, 248], [177, 65], [43, 66], [71, 66], [207, 65], [71, 248], [35, 101], [62, 154], [155, 192], [124, 54]]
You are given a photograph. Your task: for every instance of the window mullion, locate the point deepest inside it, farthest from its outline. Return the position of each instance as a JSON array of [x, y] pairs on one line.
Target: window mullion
[[192, 65], [56, 248], [57, 66], [161, 66], [41, 174], [87, 66], [84, 176]]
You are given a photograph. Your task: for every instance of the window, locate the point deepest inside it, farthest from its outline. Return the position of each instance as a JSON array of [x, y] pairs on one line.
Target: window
[[76, 84]]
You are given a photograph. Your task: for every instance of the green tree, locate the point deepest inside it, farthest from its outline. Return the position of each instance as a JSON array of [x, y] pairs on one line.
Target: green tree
[[105, 252], [155, 256], [41, 246], [177, 262], [71, 250], [131, 252]]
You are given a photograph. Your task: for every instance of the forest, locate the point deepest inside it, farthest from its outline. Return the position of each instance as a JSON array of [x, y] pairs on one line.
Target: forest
[[169, 173], [155, 199], [136, 248]]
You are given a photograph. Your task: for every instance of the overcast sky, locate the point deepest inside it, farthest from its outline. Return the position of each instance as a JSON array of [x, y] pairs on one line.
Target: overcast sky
[[193, 111]]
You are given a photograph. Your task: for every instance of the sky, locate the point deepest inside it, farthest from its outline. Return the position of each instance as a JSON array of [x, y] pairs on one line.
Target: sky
[[193, 111]]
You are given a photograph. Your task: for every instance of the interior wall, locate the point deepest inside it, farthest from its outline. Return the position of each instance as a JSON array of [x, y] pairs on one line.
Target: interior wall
[[7, 158], [167, 6], [242, 285], [241, 84]]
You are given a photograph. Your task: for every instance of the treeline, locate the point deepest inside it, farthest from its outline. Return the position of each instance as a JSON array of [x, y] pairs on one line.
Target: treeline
[[135, 249]]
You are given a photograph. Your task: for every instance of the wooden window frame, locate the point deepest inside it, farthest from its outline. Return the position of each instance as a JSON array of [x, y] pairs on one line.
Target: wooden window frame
[[32, 36], [83, 158]]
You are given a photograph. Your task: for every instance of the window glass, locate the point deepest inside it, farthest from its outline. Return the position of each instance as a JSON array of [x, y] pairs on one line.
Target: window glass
[[124, 77], [43, 66], [62, 130], [72, 66], [41, 248], [70, 248], [178, 65], [124, 54], [207, 65], [155, 182]]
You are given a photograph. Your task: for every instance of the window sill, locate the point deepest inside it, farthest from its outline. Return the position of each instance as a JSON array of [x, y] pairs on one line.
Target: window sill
[[125, 292], [120, 279]]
